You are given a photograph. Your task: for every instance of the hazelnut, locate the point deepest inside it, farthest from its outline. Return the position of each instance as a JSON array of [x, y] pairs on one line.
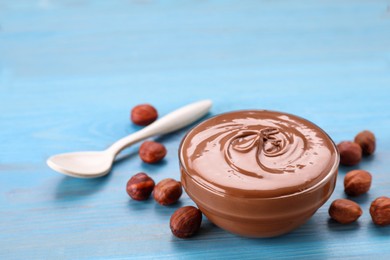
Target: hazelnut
[[152, 152], [140, 186], [167, 191], [366, 140], [350, 153], [344, 211], [143, 114], [185, 221], [357, 182], [380, 211]]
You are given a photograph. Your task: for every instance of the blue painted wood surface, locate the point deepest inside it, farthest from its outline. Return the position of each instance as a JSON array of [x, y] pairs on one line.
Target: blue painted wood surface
[[71, 70]]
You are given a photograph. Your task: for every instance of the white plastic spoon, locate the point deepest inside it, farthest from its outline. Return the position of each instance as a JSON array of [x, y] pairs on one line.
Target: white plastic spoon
[[97, 164]]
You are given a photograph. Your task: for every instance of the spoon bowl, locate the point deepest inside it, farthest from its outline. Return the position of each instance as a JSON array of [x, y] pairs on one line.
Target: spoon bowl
[[82, 164]]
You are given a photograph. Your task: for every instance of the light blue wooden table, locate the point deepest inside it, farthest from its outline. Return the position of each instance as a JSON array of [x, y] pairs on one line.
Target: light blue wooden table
[[71, 70]]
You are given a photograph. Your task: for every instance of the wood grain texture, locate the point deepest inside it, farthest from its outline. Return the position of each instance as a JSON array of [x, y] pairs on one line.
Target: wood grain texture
[[71, 70]]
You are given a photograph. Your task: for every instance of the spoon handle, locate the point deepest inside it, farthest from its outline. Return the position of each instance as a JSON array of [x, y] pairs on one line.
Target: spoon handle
[[169, 123]]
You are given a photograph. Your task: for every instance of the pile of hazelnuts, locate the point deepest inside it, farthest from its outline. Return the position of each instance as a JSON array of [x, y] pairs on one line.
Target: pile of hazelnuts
[[186, 220], [358, 182]]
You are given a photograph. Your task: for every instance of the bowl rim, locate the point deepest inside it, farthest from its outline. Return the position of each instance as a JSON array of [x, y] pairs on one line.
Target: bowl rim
[[333, 169]]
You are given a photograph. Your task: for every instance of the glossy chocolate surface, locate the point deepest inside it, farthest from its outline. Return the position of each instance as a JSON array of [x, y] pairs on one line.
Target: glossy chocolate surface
[[257, 154]]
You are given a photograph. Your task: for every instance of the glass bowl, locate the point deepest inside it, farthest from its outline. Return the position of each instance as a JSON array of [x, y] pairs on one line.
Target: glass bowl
[[241, 209]]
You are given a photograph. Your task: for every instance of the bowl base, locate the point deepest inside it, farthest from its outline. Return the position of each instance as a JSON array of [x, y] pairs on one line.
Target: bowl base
[[256, 229]]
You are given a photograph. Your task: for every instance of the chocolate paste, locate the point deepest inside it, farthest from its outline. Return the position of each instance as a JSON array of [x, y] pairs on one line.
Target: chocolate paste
[[257, 154]]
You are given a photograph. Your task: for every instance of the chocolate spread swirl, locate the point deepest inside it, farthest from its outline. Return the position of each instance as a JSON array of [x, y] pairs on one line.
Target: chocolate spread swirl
[[257, 154]]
